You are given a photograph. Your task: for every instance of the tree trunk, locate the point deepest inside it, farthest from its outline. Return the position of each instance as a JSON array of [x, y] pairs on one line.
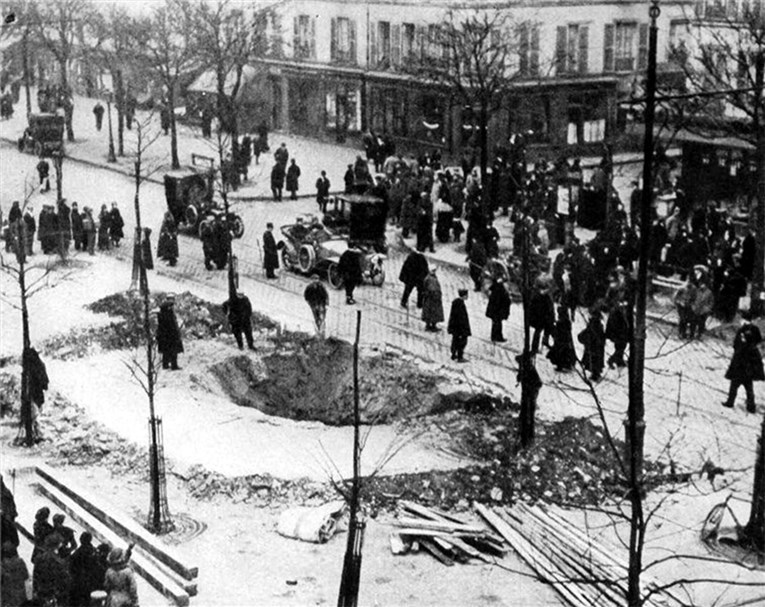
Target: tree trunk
[[27, 76], [69, 107], [754, 532], [173, 127], [120, 98], [483, 143], [757, 306], [26, 403]]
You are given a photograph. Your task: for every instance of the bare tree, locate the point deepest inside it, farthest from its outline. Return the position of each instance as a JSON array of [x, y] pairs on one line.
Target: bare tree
[[729, 62], [166, 41], [55, 26]]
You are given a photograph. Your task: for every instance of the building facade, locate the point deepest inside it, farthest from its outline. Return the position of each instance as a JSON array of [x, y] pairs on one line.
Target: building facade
[[344, 68]]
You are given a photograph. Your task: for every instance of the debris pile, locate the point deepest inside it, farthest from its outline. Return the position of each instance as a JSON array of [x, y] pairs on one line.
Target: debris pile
[[446, 537]]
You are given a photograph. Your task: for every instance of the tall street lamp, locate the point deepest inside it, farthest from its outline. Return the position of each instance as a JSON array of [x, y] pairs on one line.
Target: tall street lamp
[[112, 157]]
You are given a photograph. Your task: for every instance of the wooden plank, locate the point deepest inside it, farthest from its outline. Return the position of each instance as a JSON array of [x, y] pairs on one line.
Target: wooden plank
[[533, 558], [431, 513], [417, 532], [431, 547], [415, 523]]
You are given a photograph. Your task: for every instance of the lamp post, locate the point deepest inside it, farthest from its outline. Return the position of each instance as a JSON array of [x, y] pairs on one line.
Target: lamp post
[[112, 157]]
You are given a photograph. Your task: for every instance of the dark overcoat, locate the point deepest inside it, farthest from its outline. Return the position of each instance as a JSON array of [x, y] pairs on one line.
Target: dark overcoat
[[498, 307], [167, 247], [168, 334], [349, 267], [270, 251], [459, 322], [432, 302], [414, 270], [746, 363]]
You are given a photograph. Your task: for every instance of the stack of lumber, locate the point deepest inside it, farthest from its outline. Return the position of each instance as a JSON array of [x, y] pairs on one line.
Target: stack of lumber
[[445, 536], [582, 571]]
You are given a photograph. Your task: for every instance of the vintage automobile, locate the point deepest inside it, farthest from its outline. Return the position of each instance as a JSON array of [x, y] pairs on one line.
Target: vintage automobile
[[190, 196], [310, 247], [44, 135], [362, 218]]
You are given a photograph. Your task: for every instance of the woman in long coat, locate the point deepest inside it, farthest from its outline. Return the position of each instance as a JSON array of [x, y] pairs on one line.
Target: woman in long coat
[[594, 340], [167, 246], [432, 302], [562, 354], [104, 227], [169, 342], [116, 224], [498, 308]]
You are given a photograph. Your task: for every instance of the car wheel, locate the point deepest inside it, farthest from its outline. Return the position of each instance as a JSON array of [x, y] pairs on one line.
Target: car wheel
[[237, 225], [306, 258], [191, 215], [205, 225], [333, 276], [286, 260]]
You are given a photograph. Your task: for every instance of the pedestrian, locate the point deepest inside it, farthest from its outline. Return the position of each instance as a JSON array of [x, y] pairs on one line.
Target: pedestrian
[[413, 273], [104, 227], [594, 340], [348, 179], [282, 155], [245, 156], [64, 226], [116, 225], [85, 568], [164, 118], [498, 308], [528, 376], [28, 230], [43, 172], [746, 364], [349, 268], [263, 136], [293, 175], [322, 191], [167, 244], [221, 241], [206, 235], [277, 181], [8, 515], [432, 302], [459, 326], [270, 251], [33, 390], [169, 342], [89, 230], [701, 308], [15, 217], [409, 209], [618, 332], [68, 543], [119, 582], [41, 529], [683, 303], [14, 577], [51, 578], [425, 224], [476, 262], [239, 312], [317, 298], [77, 231], [98, 112], [562, 354], [541, 312]]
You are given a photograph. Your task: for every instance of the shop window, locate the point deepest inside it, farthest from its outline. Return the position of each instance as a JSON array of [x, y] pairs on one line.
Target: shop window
[[585, 123], [342, 109]]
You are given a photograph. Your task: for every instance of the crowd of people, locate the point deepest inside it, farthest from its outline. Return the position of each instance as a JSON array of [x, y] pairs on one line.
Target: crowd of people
[[66, 571], [60, 226]]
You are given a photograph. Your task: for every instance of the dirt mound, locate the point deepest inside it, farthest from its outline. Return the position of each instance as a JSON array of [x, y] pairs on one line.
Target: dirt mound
[[570, 463], [199, 319], [309, 379]]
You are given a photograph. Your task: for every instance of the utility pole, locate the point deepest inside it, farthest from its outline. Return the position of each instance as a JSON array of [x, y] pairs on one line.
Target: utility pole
[[757, 305], [635, 423]]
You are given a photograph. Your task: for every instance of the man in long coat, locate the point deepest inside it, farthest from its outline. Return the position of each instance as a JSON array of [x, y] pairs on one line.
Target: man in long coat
[[413, 273], [746, 364], [169, 341], [432, 303], [239, 312], [64, 225], [76, 223], [594, 340], [277, 180], [270, 251], [459, 326], [498, 308], [167, 245]]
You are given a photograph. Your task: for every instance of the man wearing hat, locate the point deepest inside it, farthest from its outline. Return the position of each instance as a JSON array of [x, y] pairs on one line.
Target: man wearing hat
[[498, 308], [459, 326], [169, 341], [270, 251]]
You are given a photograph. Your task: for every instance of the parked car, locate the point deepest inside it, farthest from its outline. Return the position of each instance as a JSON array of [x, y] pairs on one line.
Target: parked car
[[44, 135], [309, 247], [190, 196]]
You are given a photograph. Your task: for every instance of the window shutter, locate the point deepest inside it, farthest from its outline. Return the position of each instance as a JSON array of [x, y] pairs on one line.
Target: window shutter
[[560, 50], [395, 45], [352, 36], [642, 62], [523, 49], [333, 39], [373, 45], [534, 57], [583, 48], [313, 38], [421, 49], [608, 48], [295, 37]]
